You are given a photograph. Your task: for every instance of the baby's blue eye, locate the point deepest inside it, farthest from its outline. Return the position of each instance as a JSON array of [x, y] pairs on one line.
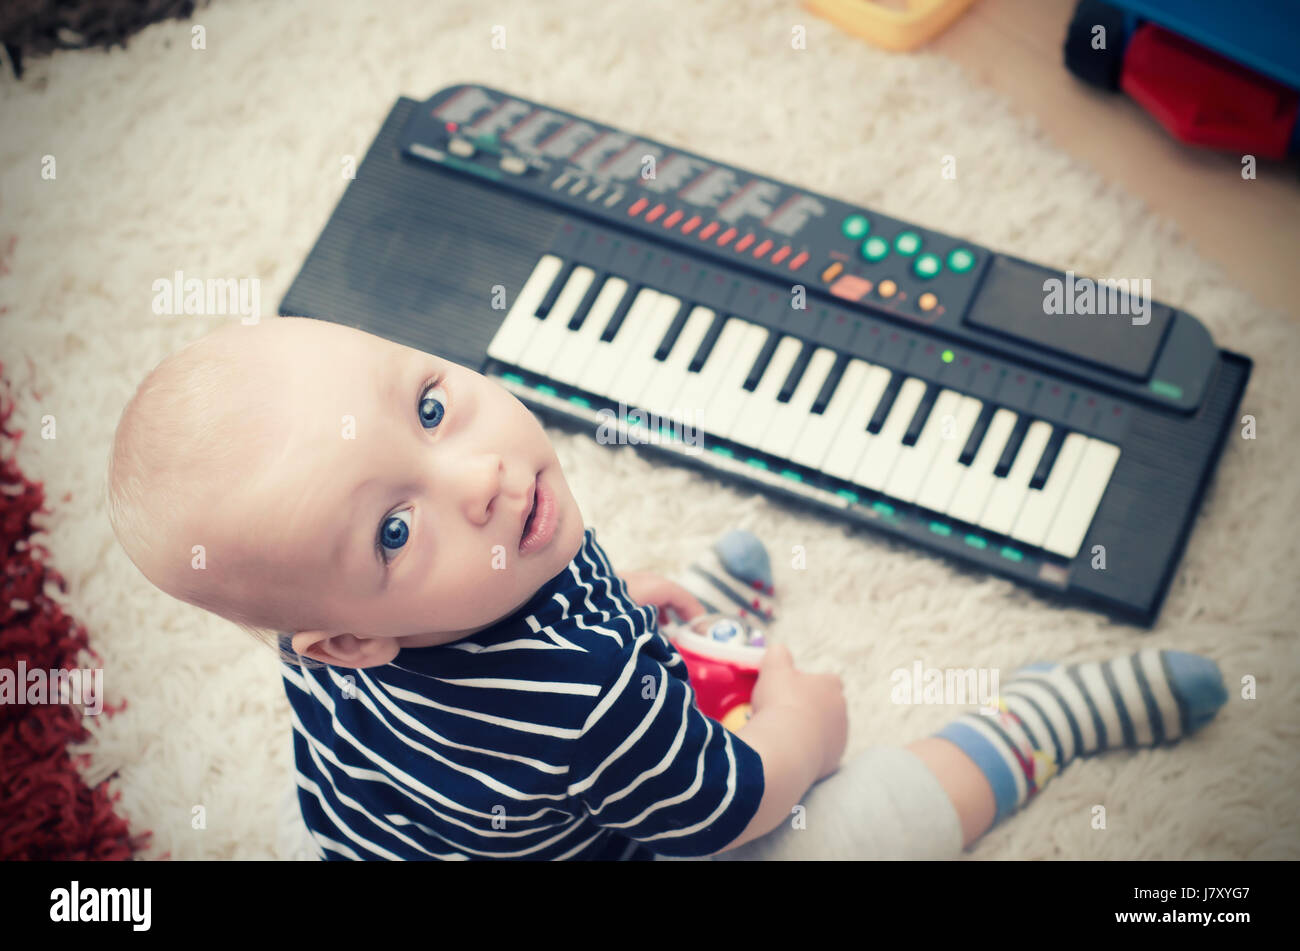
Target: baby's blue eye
[[395, 531], [433, 405]]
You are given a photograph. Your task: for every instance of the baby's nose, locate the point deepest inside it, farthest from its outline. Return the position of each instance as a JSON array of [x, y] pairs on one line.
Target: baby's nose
[[480, 485]]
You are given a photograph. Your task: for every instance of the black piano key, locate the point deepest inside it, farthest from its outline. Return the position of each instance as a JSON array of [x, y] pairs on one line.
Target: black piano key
[[977, 434], [620, 312], [827, 392], [557, 285], [1012, 448], [921, 415], [796, 373], [588, 299], [1050, 452], [886, 404], [707, 344], [764, 358], [674, 329]]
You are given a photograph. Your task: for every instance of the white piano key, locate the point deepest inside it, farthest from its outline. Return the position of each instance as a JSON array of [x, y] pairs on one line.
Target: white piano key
[[815, 440], [882, 452], [914, 461], [852, 439], [1041, 505], [521, 320], [977, 483], [945, 471], [1009, 492], [1070, 526], [666, 381], [729, 398], [582, 346], [639, 363], [599, 374], [761, 407], [698, 388], [554, 330], [791, 418]]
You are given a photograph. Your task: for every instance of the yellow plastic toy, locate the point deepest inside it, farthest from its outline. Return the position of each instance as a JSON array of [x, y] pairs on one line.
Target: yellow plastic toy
[[899, 25]]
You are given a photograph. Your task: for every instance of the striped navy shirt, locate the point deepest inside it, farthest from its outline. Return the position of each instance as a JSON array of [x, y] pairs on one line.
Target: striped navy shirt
[[568, 730]]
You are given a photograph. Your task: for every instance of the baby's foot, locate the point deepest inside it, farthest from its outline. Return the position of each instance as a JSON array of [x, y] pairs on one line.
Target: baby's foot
[[1049, 714]]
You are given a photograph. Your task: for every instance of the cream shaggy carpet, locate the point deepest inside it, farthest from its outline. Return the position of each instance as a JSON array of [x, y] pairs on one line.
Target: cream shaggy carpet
[[226, 162]]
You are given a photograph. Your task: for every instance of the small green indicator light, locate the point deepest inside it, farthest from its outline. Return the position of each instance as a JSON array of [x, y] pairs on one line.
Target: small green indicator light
[[927, 266], [940, 528], [947, 356], [1011, 554], [907, 242], [543, 388], [960, 260], [1171, 390], [723, 451], [846, 494], [667, 432], [513, 378], [855, 226], [975, 541], [580, 401], [875, 249], [791, 474], [883, 508], [756, 462]]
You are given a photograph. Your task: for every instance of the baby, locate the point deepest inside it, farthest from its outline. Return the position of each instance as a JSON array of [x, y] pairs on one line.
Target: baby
[[468, 675]]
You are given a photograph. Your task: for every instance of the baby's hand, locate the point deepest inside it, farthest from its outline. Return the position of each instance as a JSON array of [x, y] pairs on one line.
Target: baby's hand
[[818, 699], [646, 587]]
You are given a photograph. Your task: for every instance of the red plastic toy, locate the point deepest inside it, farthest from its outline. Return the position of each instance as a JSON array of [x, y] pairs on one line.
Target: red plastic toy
[[722, 656]]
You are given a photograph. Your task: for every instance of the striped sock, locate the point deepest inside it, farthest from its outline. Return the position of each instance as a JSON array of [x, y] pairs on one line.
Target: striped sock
[[1048, 714], [734, 577]]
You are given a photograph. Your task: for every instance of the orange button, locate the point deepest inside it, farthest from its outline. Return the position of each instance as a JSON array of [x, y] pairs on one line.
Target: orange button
[[887, 288], [638, 206], [744, 242], [763, 248], [851, 287], [672, 219], [725, 237], [711, 227], [798, 260], [927, 301], [781, 255], [832, 272], [691, 225], [655, 212]]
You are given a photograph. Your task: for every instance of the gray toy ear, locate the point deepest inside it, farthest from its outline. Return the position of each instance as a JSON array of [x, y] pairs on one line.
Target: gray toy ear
[[744, 556]]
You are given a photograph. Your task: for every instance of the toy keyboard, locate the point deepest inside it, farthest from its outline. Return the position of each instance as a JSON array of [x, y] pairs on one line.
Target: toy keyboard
[[876, 370]]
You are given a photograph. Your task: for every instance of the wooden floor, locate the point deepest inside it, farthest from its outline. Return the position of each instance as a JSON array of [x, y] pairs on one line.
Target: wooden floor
[[1251, 228]]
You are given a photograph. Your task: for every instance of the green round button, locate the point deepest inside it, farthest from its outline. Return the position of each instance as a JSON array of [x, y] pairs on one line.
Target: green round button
[[927, 266], [874, 249], [907, 242], [960, 260], [855, 226]]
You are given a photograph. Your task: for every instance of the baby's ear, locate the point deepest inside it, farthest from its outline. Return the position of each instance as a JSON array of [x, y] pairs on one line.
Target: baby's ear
[[345, 650]]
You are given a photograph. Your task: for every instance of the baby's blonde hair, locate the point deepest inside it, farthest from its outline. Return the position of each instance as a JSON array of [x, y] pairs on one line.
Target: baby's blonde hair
[[181, 440]]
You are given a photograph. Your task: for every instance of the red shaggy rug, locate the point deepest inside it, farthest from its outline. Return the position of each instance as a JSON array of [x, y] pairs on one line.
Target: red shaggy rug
[[46, 811]]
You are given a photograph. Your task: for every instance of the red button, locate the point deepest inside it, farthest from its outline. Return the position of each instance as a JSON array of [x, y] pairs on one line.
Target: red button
[[799, 260], [655, 212], [763, 248], [707, 233], [691, 225], [780, 255], [851, 287], [672, 219], [725, 238], [638, 206]]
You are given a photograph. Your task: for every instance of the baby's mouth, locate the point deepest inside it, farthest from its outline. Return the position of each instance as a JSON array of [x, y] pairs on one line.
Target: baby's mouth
[[532, 512]]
